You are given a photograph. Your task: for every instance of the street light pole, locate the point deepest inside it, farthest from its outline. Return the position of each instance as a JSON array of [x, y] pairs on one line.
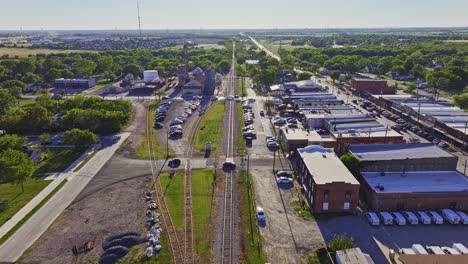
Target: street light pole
[[464, 136], [419, 111], [167, 145]]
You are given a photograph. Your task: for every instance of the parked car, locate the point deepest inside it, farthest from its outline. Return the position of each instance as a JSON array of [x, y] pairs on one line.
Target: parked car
[[260, 214], [284, 180], [450, 216], [423, 217], [460, 248], [411, 218], [250, 133], [284, 174], [158, 125], [386, 218], [435, 217], [262, 113], [229, 98], [450, 251], [373, 218], [399, 219], [463, 217]]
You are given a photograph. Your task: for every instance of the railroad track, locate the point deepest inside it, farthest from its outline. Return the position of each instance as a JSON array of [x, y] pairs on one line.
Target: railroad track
[[168, 224], [228, 237]]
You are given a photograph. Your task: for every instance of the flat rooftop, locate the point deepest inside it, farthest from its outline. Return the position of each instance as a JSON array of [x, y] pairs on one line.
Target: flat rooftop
[[324, 166], [370, 152], [300, 134], [417, 181]]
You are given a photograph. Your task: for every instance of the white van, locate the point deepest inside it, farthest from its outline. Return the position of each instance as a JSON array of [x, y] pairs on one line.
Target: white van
[[419, 249], [435, 217], [460, 248], [463, 217], [407, 251], [423, 218], [435, 250], [386, 218], [372, 218], [450, 216], [399, 219], [450, 251], [411, 218]]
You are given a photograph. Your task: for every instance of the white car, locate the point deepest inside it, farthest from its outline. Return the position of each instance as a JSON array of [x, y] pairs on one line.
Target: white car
[[411, 218], [373, 218], [284, 180], [435, 217], [229, 98], [423, 217], [260, 214]]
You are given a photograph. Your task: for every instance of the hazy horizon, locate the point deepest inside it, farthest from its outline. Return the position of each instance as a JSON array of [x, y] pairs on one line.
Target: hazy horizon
[[242, 14]]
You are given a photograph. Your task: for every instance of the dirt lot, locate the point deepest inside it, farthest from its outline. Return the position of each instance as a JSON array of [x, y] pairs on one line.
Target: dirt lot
[[137, 127], [287, 237], [117, 206]]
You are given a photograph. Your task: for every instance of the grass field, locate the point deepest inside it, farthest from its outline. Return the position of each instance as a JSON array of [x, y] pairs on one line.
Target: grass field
[[250, 236], [202, 198], [25, 52], [213, 129], [142, 150], [17, 199], [58, 159], [173, 189], [26, 102], [32, 212]]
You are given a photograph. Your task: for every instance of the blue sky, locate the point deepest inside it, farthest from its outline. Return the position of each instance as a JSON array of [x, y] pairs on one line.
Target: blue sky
[[189, 14]]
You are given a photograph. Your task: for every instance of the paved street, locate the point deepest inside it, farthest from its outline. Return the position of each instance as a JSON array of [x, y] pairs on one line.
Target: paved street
[[23, 238]]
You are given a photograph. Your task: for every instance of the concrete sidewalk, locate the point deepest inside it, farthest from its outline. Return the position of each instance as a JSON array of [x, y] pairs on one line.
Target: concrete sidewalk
[[24, 237], [57, 179]]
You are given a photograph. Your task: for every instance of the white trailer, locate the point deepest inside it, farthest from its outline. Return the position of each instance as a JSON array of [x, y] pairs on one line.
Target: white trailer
[[460, 248], [419, 249], [450, 216]]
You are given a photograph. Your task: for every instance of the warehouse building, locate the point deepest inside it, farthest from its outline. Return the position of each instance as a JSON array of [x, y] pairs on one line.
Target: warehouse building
[[327, 184], [403, 157], [372, 86], [80, 84], [410, 177], [294, 139]]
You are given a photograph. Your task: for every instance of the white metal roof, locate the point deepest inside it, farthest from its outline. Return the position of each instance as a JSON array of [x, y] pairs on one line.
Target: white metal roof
[[371, 152], [417, 181], [324, 166]]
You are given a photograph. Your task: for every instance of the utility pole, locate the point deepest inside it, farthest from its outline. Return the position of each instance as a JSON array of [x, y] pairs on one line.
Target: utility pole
[[419, 111], [464, 136], [274, 159], [167, 145], [139, 20]]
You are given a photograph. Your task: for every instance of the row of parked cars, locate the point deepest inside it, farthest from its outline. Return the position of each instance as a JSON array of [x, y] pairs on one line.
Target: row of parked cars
[[418, 249], [418, 217], [290, 122], [272, 143], [161, 114]]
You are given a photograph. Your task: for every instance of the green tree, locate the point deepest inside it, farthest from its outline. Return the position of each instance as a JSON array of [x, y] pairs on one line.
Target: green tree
[[133, 69], [15, 87], [15, 166], [304, 76], [44, 138], [351, 162], [461, 101], [7, 101], [52, 74], [335, 75], [348, 77], [411, 87], [12, 142], [340, 242], [79, 137], [31, 78], [84, 67], [268, 104]]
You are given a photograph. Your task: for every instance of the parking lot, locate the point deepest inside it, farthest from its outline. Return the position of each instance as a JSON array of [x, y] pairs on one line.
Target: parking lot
[[377, 240]]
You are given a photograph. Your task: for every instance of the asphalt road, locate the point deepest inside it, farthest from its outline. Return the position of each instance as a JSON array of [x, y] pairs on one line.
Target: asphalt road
[[23, 238]]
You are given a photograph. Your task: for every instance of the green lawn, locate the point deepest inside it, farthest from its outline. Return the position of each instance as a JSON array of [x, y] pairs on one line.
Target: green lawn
[[142, 150], [26, 102], [25, 52], [173, 189], [17, 199], [202, 198], [250, 236], [213, 130], [32, 212], [240, 86], [58, 159]]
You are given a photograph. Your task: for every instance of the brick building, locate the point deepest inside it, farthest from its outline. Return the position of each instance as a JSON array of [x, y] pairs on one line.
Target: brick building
[[403, 157], [373, 86], [327, 183], [410, 177]]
